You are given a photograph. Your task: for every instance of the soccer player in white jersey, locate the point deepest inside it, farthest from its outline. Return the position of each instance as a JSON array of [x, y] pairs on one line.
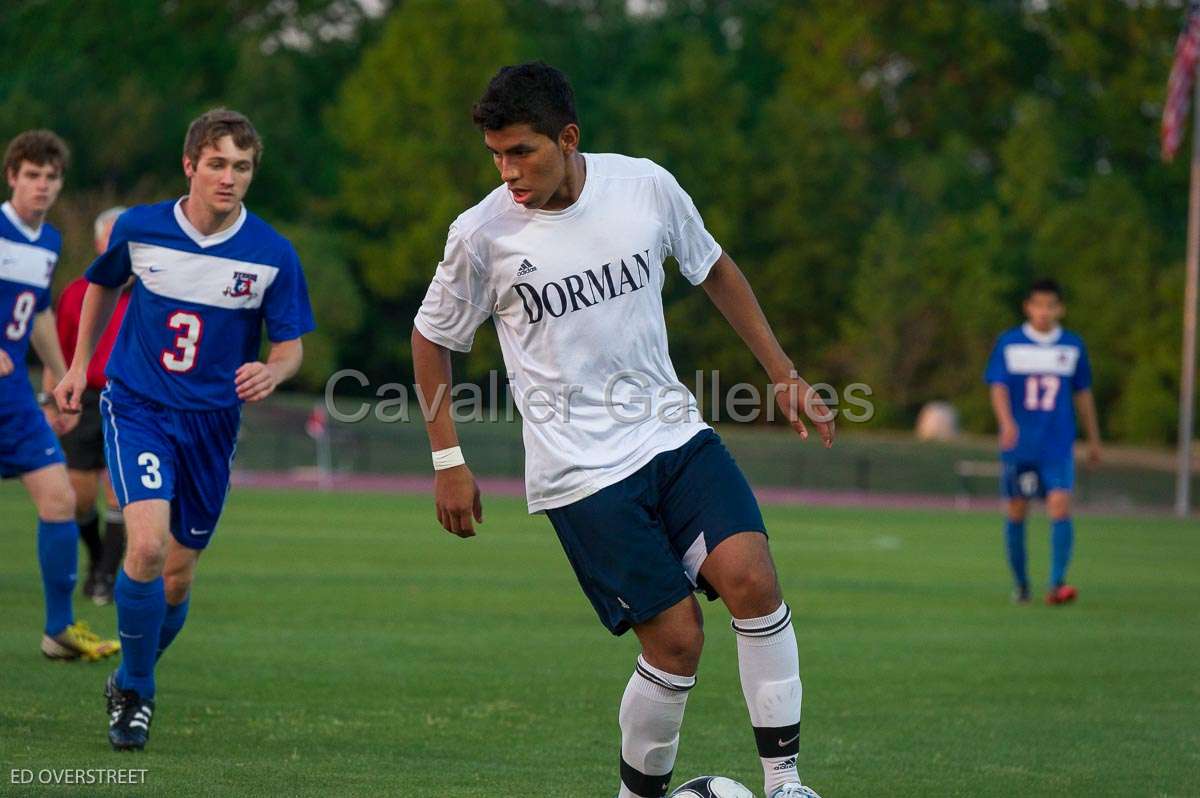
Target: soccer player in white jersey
[[209, 275], [567, 258], [34, 163]]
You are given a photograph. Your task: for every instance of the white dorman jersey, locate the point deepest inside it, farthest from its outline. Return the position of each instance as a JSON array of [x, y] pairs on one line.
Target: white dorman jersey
[[576, 296]]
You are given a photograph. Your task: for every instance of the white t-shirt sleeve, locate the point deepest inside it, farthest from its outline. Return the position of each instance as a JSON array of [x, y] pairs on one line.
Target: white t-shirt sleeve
[[687, 239], [459, 299]]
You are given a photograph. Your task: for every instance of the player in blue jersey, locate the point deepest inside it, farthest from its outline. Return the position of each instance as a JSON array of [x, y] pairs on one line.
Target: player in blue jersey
[[34, 163], [1040, 376], [209, 274]]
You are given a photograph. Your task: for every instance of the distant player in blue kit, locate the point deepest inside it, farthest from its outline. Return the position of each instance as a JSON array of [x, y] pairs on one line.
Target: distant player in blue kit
[[209, 274], [34, 163], [1040, 376]]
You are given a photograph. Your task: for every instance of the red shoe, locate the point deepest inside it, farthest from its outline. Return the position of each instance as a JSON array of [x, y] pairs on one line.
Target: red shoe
[[1063, 594]]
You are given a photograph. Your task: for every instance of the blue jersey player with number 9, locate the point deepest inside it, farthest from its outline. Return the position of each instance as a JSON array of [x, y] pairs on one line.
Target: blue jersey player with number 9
[[1040, 376], [34, 163], [208, 274]]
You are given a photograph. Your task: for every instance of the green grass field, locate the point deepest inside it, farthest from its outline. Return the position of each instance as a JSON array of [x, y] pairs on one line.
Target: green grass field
[[342, 645]]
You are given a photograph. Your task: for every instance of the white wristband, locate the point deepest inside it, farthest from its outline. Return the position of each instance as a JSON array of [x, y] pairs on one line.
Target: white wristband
[[448, 458]]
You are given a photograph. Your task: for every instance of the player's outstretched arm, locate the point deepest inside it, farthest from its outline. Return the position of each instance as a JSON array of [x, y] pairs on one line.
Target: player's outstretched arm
[[44, 340], [256, 380], [99, 303], [730, 291], [1004, 417], [455, 492], [1085, 406]]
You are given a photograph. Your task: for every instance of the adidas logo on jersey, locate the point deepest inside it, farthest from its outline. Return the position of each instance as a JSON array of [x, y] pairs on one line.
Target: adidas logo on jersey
[[584, 289], [526, 268]]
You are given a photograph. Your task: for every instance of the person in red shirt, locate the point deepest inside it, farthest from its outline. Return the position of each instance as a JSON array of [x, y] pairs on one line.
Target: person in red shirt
[[84, 445]]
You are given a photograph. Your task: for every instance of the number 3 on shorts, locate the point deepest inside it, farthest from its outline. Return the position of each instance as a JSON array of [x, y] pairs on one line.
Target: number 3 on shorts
[[152, 479]]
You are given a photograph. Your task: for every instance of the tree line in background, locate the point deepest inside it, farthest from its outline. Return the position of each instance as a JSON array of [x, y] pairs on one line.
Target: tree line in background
[[889, 175]]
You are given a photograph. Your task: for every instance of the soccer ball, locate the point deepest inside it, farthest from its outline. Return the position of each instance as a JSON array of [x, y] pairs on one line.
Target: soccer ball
[[712, 787]]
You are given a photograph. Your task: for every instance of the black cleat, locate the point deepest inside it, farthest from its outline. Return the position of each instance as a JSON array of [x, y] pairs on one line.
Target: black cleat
[[112, 693], [102, 590], [89, 584], [128, 717]]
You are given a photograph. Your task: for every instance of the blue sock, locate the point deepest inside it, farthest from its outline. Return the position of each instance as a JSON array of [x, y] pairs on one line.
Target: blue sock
[[1014, 541], [58, 554], [1062, 539], [172, 623], [141, 607]]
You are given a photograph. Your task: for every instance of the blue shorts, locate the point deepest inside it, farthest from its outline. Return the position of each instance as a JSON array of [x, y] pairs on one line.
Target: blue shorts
[[182, 456], [26, 441], [638, 544], [1033, 480]]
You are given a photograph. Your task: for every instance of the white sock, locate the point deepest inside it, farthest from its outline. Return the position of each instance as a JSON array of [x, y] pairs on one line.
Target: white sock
[[769, 664], [651, 714]]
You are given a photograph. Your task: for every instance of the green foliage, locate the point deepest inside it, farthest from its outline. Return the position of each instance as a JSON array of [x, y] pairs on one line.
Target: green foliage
[[889, 175], [414, 159], [337, 301]]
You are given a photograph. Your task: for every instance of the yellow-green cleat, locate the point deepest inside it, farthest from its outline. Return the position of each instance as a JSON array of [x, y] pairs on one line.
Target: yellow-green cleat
[[77, 641]]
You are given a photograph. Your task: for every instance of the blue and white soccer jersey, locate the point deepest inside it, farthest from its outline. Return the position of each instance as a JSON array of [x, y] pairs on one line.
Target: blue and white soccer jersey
[[1042, 372], [27, 261], [171, 411]]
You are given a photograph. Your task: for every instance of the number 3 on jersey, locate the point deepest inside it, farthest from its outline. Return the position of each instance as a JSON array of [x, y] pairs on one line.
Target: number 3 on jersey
[[1040, 392], [189, 327]]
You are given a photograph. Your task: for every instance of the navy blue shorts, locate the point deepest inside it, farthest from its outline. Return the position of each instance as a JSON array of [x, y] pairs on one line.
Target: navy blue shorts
[[638, 544], [181, 456], [26, 441], [1033, 480]]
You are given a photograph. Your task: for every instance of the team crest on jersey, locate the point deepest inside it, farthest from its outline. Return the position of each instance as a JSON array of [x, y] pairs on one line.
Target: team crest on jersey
[[243, 286]]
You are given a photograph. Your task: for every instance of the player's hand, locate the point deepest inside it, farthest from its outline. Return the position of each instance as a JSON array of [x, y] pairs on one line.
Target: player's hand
[[457, 499], [67, 423], [68, 394], [254, 381], [61, 423], [1094, 455], [1008, 436], [6, 364], [795, 395]]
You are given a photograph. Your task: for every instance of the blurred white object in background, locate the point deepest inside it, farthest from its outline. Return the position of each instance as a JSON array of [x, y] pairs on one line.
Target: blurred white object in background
[[938, 421]]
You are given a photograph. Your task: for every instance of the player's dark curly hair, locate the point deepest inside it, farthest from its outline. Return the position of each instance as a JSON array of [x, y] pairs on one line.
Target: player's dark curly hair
[[39, 147], [534, 93], [1045, 285]]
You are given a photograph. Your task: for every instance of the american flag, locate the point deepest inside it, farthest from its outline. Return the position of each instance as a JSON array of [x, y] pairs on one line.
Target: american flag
[[1179, 87]]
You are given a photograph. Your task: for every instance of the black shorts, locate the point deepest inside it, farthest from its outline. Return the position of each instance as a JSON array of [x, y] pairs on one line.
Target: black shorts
[[638, 544], [84, 445]]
